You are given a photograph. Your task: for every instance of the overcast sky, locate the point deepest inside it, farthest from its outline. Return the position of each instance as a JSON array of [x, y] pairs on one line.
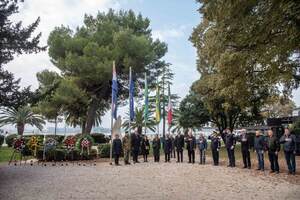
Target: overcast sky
[[172, 21]]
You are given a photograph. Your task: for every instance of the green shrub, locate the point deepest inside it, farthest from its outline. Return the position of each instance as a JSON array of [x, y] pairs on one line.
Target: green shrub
[[10, 139], [1, 140], [104, 150], [99, 138]]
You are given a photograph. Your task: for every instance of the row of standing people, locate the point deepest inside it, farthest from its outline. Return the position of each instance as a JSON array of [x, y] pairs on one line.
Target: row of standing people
[[175, 146]]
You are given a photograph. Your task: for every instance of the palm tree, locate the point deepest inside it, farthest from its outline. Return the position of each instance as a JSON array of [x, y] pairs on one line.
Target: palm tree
[[20, 117], [139, 121]]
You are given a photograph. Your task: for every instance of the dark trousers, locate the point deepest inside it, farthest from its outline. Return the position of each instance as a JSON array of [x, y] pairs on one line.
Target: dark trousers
[[215, 155], [231, 157], [246, 158], [145, 157], [167, 156], [135, 156], [202, 156], [290, 161], [260, 158], [117, 159], [191, 154], [156, 157], [273, 158], [173, 153], [180, 155]]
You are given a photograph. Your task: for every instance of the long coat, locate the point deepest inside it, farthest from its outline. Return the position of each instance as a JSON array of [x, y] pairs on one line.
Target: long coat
[[145, 147], [135, 142], [156, 146], [167, 145], [117, 146], [179, 142]]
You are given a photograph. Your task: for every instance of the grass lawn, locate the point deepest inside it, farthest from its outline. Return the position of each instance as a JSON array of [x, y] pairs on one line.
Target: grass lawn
[[5, 154]]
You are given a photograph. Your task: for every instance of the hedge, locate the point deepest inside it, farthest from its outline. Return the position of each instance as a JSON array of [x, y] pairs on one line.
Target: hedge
[[63, 155], [104, 150]]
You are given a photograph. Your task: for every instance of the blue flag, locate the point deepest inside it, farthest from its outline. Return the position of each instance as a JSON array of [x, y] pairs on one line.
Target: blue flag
[[114, 93], [131, 93]]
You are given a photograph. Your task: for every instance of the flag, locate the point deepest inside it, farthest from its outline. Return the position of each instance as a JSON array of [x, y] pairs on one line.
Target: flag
[[169, 107], [146, 99], [157, 113], [114, 88], [131, 92]]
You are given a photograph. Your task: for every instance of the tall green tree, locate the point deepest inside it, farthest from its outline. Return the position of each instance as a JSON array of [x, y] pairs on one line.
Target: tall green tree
[[15, 39], [192, 112], [85, 59], [245, 51]]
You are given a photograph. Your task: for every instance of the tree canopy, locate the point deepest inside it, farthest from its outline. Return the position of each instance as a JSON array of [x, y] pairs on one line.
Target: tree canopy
[[15, 39], [85, 56], [246, 51]]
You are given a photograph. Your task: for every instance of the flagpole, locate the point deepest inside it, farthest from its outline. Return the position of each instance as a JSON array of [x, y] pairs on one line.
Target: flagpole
[[129, 115], [111, 124], [146, 102]]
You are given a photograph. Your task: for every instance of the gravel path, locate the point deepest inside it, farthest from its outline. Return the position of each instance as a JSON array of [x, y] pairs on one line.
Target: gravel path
[[143, 181]]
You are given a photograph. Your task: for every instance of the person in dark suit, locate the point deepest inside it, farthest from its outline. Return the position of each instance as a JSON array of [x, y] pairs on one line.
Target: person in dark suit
[[156, 145], [230, 142], [167, 147], [202, 146], [273, 146], [117, 148], [245, 148], [215, 146], [145, 148], [179, 145], [191, 145], [135, 145]]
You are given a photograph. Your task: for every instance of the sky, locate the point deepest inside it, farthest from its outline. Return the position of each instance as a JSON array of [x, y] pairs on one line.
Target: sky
[[171, 21]]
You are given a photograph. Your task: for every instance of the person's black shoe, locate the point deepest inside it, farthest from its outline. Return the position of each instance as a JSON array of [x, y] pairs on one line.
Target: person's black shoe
[[294, 173], [277, 172], [272, 171], [258, 169], [289, 173], [245, 167], [249, 167]]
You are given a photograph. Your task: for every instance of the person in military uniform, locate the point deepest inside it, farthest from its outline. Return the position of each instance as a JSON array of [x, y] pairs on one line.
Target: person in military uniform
[[145, 148], [167, 144], [202, 146], [179, 145], [245, 148], [273, 149], [215, 146], [289, 147], [230, 142], [191, 145], [135, 145], [117, 148], [156, 148], [126, 148]]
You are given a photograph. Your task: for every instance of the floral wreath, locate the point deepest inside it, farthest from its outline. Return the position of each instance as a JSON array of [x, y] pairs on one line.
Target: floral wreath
[[70, 143], [33, 144], [50, 144], [85, 143], [19, 144]]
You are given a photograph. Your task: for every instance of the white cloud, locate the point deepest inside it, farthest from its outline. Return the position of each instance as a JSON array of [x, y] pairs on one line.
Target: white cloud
[[169, 33], [52, 13]]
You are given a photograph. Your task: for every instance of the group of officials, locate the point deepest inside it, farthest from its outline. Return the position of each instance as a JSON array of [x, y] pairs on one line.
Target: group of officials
[[172, 147]]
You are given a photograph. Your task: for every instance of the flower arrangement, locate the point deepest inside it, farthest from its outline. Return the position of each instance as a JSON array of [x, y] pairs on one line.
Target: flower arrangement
[[50, 144], [33, 144], [19, 144], [84, 143], [70, 142]]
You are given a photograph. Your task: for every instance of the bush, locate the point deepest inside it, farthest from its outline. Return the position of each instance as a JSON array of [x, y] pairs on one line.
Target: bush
[[104, 150], [1, 140], [99, 138], [10, 139]]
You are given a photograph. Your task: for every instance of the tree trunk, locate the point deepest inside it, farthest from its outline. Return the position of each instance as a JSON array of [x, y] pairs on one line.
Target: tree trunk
[[83, 127], [20, 128], [90, 118], [55, 126]]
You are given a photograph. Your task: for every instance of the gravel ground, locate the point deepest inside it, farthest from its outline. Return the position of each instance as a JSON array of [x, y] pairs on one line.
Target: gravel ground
[[143, 181]]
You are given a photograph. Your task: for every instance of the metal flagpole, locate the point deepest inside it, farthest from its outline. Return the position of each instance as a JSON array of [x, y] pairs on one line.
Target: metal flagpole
[[129, 115], [111, 124]]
